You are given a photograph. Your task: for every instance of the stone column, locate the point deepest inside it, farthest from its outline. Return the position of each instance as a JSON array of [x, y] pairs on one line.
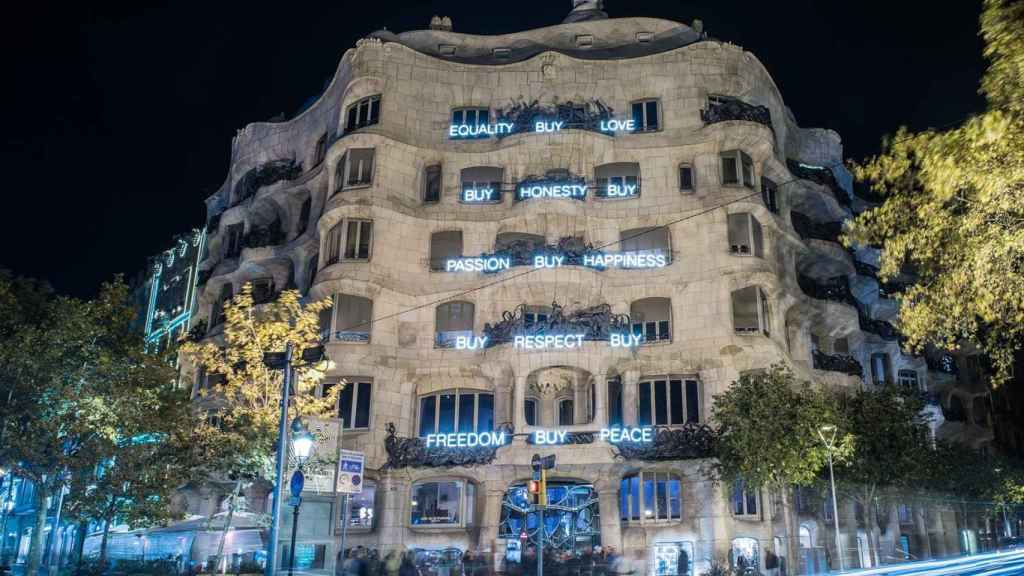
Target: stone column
[[392, 516], [518, 400], [608, 507], [601, 400], [629, 397], [494, 493]]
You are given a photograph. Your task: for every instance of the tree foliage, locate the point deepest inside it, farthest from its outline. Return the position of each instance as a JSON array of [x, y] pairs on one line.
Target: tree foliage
[[952, 211]]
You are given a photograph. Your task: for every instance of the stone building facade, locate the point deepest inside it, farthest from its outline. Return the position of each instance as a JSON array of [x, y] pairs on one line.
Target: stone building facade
[[433, 153]]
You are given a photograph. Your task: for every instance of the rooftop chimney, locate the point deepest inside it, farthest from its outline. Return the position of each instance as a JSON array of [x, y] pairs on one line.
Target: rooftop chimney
[[439, 23]]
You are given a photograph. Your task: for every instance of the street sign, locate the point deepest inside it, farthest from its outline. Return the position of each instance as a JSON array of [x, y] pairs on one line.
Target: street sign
[[350, 472], [298, 481]]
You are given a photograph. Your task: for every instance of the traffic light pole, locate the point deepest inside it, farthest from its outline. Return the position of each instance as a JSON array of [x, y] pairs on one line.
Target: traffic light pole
[[540, 540]]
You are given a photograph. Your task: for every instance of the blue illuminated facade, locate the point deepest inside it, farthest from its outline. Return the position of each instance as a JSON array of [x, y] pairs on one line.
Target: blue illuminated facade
[[170, 286]]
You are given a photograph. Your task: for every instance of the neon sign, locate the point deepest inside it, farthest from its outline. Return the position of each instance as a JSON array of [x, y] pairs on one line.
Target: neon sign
[[465, 439], [624, 340], [480, 196], [556, 189], [621, 190], [478, 264], [626, 434], [639, 259], [548, 341], [459, 131], [470, 342], [478, 130], [614, 125]]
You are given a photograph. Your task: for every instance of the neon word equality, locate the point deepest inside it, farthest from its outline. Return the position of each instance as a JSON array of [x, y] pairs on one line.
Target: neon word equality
[[477, 264], [479, 195], [465, 439], [626, 434], [477, 130], [551, 190], [548, 341]]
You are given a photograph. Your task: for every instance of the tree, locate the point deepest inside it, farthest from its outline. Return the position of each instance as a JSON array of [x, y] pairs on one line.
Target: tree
[[892, 441], [75, 375], [248, 396], [768, 436], [952, 213]]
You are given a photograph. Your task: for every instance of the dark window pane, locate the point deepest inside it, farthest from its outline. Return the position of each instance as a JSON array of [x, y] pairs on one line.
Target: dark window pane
[[457, 117], [466, 408], [634, 491], [652, 115], [374, 111], [692, 402], [446, 409], [651, 331], [565, 413], [351, 239], [752, 501], [676, 394], [638, 115], [351, 124], [660, 403], [685, 178], [624, 499], [363, 406], [345, 405], [662, 497], [675, 498], [530, 407], [737, 498], [365, 233], [615, 402], [432, 184], [664, 333], [644, 411], [485, 412], [427, 414], [649, 496], [730, 173]]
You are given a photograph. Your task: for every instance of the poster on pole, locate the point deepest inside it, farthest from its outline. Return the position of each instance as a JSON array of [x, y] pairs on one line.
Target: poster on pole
[[350, 472]]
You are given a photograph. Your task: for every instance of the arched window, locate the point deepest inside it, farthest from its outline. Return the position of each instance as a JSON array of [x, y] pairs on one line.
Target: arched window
[[456, 411], [453, 319], [443, 503], [745, 235], [650, 497], [805, 537], [566, 414], [652, 318]]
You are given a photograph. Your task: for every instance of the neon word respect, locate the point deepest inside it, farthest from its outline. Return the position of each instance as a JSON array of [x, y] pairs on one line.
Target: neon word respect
[[466, 439], [625, 434], [548, 341], [490, 264]]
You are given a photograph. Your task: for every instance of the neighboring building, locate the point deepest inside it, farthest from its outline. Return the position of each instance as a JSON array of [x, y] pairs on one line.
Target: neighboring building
[[170, 287], [670, 196]]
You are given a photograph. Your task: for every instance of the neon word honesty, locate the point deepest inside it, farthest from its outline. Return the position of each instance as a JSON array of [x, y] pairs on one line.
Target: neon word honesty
[[490, 264], [474, 131], [471, 195], [615, 435], [466, 439], [527, 191], [545, 341]]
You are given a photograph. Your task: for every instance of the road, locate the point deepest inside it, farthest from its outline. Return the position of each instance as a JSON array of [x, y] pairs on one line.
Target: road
[[993, 564]]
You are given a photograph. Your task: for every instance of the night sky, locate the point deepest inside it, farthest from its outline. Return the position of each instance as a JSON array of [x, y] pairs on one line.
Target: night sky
[[119, 118]]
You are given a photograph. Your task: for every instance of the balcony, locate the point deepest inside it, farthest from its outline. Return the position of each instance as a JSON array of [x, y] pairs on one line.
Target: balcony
[[880, 328], [269, 235], [724, 108], [837, 363], [264, 175], [836, 289], [820, 175], [810, 230]]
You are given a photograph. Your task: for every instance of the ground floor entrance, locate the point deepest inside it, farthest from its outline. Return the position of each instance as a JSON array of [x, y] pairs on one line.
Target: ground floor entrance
[[571, 526]]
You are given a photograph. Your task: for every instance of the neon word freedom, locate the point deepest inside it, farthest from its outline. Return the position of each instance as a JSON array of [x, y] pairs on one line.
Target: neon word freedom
[[466, 439]]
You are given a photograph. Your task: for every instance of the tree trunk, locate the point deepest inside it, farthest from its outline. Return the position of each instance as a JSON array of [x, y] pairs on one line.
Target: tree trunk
[[792, 565], [874, 534], [35, 553], [83, 531], [227, 524], [102, 562]]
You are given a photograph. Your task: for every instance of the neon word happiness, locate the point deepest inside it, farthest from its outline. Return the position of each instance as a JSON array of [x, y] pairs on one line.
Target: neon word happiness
[[490, 264], [624, 434], [474, 131], [473, 195], [548, 341], [626, 260], [552, 190], [466, 439]]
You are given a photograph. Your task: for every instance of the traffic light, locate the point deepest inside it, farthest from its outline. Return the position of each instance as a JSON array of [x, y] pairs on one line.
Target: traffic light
[[539, 485], [534, 487]]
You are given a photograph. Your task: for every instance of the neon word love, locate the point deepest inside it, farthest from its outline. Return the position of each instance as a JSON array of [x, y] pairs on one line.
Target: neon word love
[[616, 435], [470, 342], [466, 439], [478, 195], [624, 340], [545, 341], [490, 264], [617, 125]]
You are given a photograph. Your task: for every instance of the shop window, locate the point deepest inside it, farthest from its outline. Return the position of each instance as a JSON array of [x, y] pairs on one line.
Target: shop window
[[647, 240], [881, 368], [307, 556], [672, 558], [646, 115], [770, 195], [442, 503], [744, 499], [353, 318], [617, 180], [480, 185], [651, 319], [908, 379], [217, 316], [354, 169], [750, 312], [354, 403], [687, 180], [444, 246], [615, 402], [737, 168], [649, 497], [349, 240], [453, 319], [668, 400], [456, 411], [363, 113], [233, 240], [745, 235], [361, 509], [471, 117], [432, 184], [530, 407]]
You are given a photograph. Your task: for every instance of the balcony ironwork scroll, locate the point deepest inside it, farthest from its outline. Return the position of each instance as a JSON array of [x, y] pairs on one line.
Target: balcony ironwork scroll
[[414, 453], [264, 175], [819, 175], [586, 115], [837, 363], [808, 229], [269, 235], [836, 289], [724, 108], [880, 328], [594, 323], [689, 442]]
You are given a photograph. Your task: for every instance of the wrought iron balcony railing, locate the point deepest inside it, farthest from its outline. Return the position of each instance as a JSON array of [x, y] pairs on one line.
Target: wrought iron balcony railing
[[723, 108], [810, 230], [819, 175], [880, 328], [836, 289], [837, 363], [270, 235]]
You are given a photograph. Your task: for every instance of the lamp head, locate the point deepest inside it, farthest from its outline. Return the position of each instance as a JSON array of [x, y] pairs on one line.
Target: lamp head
[[827, 433], [302, 440]]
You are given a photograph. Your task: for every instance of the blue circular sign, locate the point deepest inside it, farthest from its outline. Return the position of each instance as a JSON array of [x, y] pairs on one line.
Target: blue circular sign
[[298, 480]]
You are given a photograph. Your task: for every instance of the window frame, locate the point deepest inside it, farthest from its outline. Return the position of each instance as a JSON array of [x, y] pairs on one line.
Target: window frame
[[344, 167], [662, 336], [770, 194], [693, 178], [352, 382], [908, 378], [373, 517], [476, 110], [335, 324], [476, 184], [739, 487], [558, 411], [320, 150], [684, 403], [536, 410], [356, 106], [336, 241], [754, 233], [466, 508], [433, 263], [618, 175], [426, 182], [886, 368], [764, 318], [458, 393], [233, 240], [742, 160], [437, 333], [642, 124], [641, 518]]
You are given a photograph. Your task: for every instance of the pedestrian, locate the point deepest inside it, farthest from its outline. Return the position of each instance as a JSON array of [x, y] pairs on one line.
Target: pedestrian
[[683, 562], [392, 563], [408, 565]]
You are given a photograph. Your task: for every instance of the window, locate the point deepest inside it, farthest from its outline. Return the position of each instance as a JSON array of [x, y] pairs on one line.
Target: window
[[648, 240], [904, 513], [361, 507], [745, 235], [530, 407], [354, 403], [363, 113], [446, 49], [644, 37], [453, 319], [881, 368], [908, 379], [353, 317], [354, 169], [443, 247], [480, 185], [307, 556], [645, 116], [262, 290], [687, 182], [217, 316], [650, 497], [471, 117], [584, 40], [841, 346], [443, 503], [617, 180], [233, 240], [615, 401], [744, 499], [566, 415], [668, 400], [432, 184], [502, 53], [349, 240], [321, 150], [324, 322], [651, 319], [307, 206], [456, 411], [750, 313], [535, 315], [736, 164], [770, 195]]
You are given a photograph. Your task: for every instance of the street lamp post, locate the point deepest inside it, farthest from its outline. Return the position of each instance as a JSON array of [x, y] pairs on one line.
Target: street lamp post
[[827, 434], [302, 445]]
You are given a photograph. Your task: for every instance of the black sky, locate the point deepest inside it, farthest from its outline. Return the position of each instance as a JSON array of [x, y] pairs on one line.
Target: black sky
[[119, 116]]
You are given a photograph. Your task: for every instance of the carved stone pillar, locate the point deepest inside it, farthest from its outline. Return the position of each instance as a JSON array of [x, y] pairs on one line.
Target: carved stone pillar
[[392, 516], [494, 493], [601, 400], [518, 401], [629, 397], [608, 507]]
